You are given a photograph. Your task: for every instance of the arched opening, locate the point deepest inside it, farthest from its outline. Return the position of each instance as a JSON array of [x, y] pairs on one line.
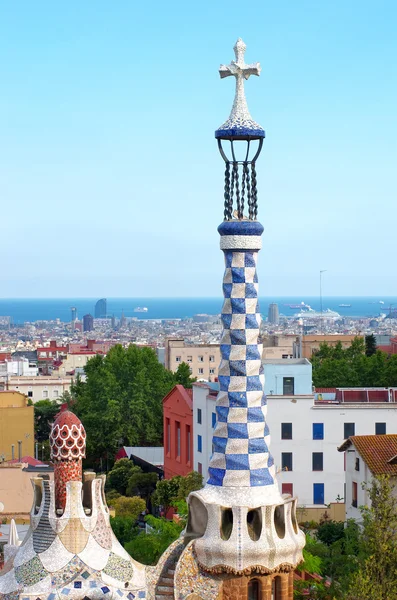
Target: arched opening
[[197, 520], [254, 589], [38, 494], [226, 523], [276, 588], [254, 524], [279, 521], [86, 492]]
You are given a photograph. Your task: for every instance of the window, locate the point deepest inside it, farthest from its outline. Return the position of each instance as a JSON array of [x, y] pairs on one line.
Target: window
[[212, 358], [284, 356], [286, 431], [188, 441], [201, 371], [199, 443], [200, 468], [199, 416], [380, 428], [200, 358], [318, 431], [189, 359], [354, 494], [286, 461], [348, 430], [178, 359], [178, 439], [288, 386], [357, 465], [317, 461], [55, 393], [45, 394], [30, 394], [213, 420], [318, 493], [212, 371], [168, 436], [287, 488]]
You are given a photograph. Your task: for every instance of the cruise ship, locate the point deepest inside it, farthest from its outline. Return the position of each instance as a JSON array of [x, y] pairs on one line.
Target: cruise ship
[[141, 309], [310, 313]]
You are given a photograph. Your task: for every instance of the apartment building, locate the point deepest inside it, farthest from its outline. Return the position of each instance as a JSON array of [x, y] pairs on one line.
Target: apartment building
[[305, 431], [178, 426], [202, 359], [16, 426], [40, 388]]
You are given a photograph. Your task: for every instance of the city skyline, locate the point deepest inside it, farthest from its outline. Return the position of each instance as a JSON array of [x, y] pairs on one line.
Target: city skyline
[[91, 98]]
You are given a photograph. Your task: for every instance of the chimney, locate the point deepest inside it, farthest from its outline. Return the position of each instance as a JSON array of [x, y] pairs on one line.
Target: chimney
[[19, 450], [12, 451]]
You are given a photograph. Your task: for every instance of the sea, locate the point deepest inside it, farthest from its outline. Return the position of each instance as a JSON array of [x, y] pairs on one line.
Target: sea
[[48, 309]]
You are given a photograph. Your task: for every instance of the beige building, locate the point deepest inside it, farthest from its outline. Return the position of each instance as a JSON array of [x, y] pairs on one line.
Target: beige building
[[16, 490], [16, 425], [72, 362], [310, 343], [280, 346], [41, 387], [203, 360]]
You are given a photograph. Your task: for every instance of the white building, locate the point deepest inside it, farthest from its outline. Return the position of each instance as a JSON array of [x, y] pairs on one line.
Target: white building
[[305, 434], [365, 456], [21, 367], [41, 387], [292, 376]]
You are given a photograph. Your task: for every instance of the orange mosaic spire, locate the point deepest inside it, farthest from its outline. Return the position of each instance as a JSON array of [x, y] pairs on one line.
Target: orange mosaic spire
[[67, 442]]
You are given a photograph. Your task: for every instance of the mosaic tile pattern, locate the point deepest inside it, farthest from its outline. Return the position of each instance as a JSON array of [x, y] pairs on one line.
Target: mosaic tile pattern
[[30, 572], [102, 532], [119, 569], [68, 573], [190, 578], [44, 535], [241, 437], [240, 123], [74, 537]]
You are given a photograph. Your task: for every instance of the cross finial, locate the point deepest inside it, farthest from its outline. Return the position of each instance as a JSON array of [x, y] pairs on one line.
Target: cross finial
[[240, 123]]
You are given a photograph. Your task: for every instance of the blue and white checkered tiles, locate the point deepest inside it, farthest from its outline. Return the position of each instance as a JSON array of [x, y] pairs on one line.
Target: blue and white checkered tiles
[[241, 438]]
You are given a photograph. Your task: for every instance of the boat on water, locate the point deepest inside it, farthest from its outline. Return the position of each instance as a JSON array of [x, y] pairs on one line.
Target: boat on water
[[345, 305], [141, 309], [314, 314]]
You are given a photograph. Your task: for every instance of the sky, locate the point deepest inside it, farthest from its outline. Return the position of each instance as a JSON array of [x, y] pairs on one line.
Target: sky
[[110, 179]]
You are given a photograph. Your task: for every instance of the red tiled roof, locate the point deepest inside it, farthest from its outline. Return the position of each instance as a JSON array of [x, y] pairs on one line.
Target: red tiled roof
[[325, 390], [376, 451], [33, 462]]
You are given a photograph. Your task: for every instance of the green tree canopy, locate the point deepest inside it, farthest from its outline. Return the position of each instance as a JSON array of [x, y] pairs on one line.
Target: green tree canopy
[[142, 484], [147, 548], [129, 507], [183, 377], [121, 472], [120, 402], [45, 412], [335, 366]]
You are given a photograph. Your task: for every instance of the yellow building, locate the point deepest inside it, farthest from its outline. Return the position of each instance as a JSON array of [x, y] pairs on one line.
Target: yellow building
[[16, 425]]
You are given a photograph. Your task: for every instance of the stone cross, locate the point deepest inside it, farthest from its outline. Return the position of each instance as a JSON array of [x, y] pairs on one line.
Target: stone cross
[[240, 116]]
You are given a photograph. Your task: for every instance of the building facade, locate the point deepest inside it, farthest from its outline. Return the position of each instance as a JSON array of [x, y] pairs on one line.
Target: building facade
[[367, 456], [202, 359], [273, 315], [178, 432], [40, 388], [310, 343], [291, 377], [88, 323], [101, 309], [16, 426]]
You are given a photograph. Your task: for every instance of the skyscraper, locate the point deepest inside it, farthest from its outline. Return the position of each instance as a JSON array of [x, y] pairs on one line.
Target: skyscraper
[[272, 315], [101, 309], [88, 323]]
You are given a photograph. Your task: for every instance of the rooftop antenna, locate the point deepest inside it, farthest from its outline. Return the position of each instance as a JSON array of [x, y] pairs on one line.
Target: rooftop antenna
[[321, 299]]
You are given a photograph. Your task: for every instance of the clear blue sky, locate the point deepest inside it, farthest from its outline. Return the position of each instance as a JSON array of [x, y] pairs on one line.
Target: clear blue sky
[[110, 179]]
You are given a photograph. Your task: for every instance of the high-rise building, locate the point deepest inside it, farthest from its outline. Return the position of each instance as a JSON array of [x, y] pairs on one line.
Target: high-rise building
[[272, 315], [73, 313], [101, 309], [88, 323]]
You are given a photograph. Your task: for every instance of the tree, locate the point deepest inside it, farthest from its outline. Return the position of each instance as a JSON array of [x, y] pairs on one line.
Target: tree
[[142, 484], [147, 548], [120, 402], [45, 412], [171, 492], [370, 345], [329, 532], [183, 377], [376, 576], [190, 483], [129, 507], [120, 474]]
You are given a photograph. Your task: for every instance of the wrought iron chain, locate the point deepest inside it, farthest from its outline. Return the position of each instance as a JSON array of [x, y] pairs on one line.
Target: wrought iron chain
[[254, 192], [238, 202], [228, 204]]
